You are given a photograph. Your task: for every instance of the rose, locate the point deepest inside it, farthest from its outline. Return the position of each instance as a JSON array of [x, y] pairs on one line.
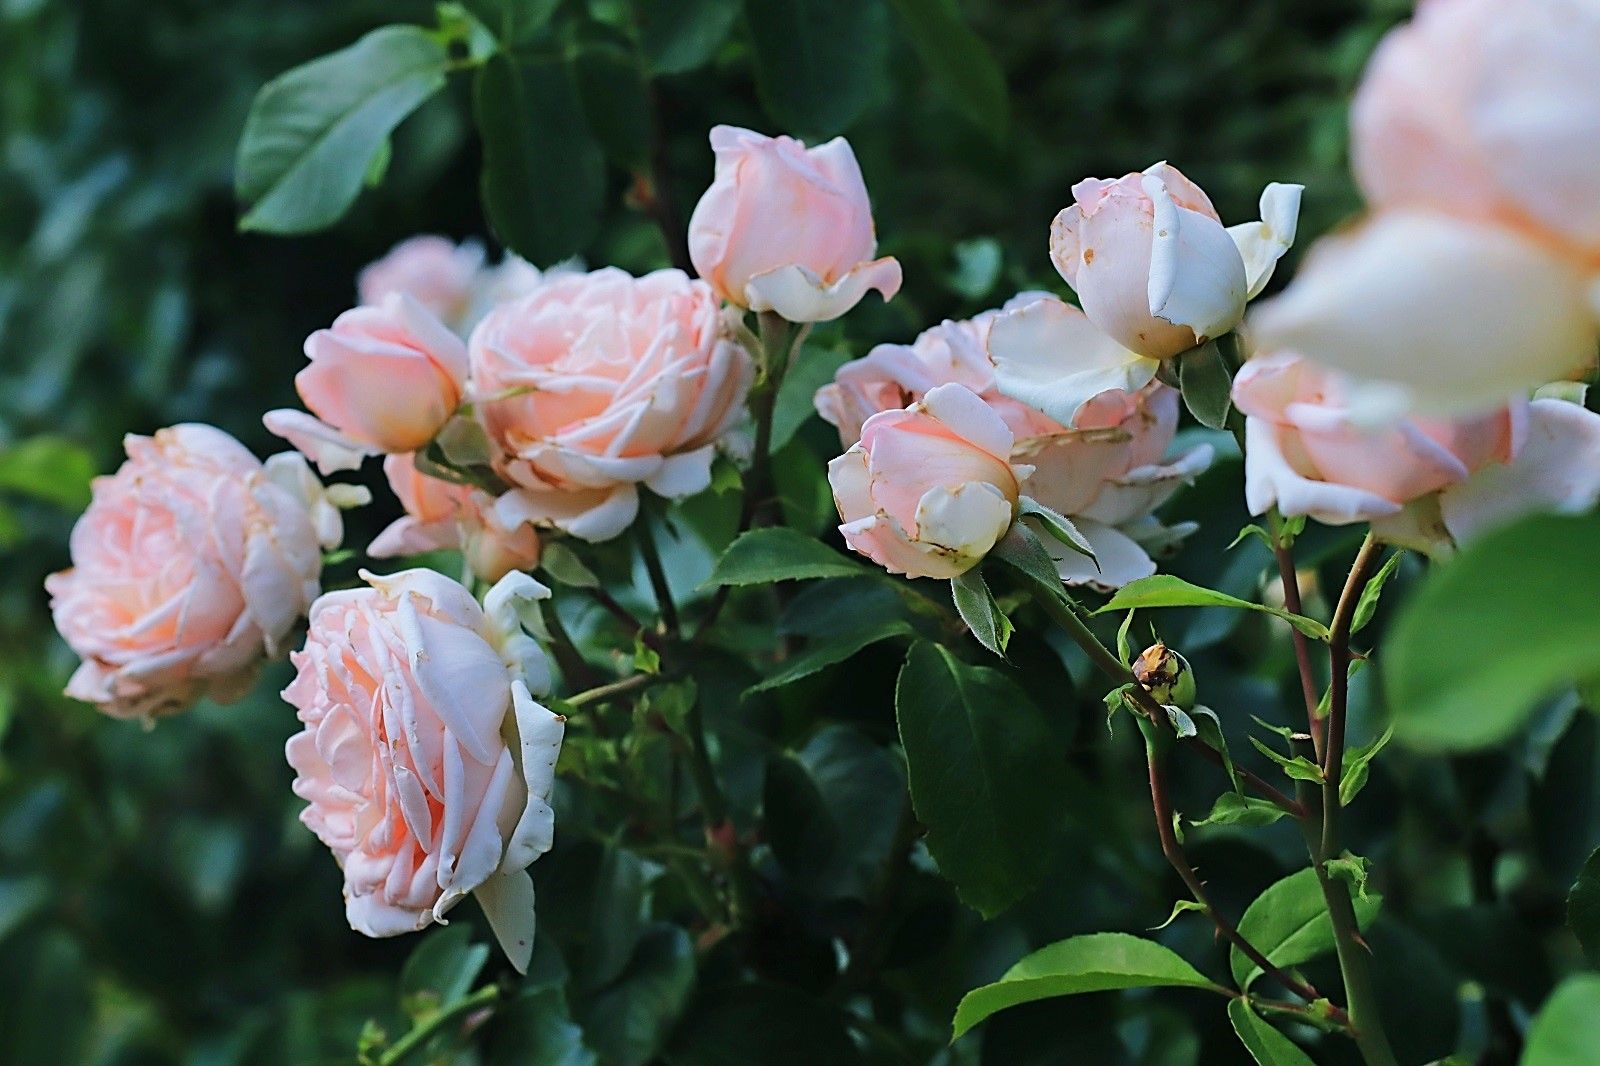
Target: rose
[[425, 762], [1472, 108], [1152, 264], [442, 515], [382, 380], [930, 489], [1433, 313], [1107, 475], [596, 383], [190, 565], [434, 271], [788, 229]]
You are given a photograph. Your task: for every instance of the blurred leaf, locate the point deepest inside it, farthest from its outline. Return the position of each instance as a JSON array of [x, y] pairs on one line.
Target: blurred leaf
[[767, 1024], [1164, 590], [1567, 1031], [628, 1021], [1094, 963], [677, 36], [563, 566], [1265, 1044], [314, 132], [762, 556], [821, 654], [812, 368], [960, 64], [1289, 923], [21, 898], [615, 101], [45, 1005], [514, 21], [49, 468], [1583, 909], [1508, 621], [992, 835], [818, 63], [543, 175], [441, 969], [535, 1028], [617, 915]]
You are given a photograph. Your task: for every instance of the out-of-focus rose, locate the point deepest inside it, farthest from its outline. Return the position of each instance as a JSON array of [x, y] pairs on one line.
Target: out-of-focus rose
[[1306, 453], [442, 515], [191, 564], [425, 762], [1474, 108], [384, 379], [1433, 313], [788, 228], [1107, 475], [596, 383], [1152, 264], [930, 489], [434, 271]]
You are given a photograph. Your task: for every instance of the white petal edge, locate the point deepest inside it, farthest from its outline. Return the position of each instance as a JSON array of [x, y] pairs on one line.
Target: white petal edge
[[1261, 244], [798, 295], [1049, 356], [1197, 276]]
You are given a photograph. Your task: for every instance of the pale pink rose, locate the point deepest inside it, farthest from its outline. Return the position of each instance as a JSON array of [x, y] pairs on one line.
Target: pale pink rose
[[1482, 107], [1307, 454], [788, 228], [595, 384], [425, 762], [444, 515], [928, 490], [434, 271], [192, 563], [1152, 264], [382, 380]]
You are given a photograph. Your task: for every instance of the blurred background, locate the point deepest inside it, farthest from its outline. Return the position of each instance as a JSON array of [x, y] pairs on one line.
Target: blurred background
[[158, 900]]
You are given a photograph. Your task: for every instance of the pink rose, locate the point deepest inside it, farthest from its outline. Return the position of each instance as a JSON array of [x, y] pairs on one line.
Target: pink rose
[[597, 383], [425, 762], [1152, 264], [930, 489], [191, 564], [434, 271], [382, 380], [443, 515], [1474, 107], [788, 228], [1307, 454]]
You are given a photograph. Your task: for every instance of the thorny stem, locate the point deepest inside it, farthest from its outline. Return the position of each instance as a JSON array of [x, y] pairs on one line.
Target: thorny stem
[[1302, 643], [658, 578], [418, 1037]]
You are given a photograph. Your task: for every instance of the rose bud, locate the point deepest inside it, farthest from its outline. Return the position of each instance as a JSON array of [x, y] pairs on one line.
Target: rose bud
[[382, 380], [434, 271], [1152, 264], [1166, 675], [442, 515], [190, 566], [787, 228], [424, 760], [1470, 108], [929, 490], [595, 384]]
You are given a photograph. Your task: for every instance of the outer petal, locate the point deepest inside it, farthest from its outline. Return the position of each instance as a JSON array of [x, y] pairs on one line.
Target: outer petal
[[1261, 244], [799, 295], [1270, 480], [684, 474], [965, 521], [507, 901], [881, 539], [1197, 278], [317, 441], [590, 515], [1049, 356], [1145, 488], [964, 413], [1118, 558]]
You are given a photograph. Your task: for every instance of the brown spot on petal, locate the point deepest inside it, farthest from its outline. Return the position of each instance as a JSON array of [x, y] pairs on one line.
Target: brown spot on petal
[[1088, 255]]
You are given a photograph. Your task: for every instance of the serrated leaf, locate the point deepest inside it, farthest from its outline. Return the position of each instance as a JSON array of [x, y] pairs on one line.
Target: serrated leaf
[[1165, 590], [1299, 767], [1289, 923], [1208, 730], [977, 607], [1056, 526], [822, 654]]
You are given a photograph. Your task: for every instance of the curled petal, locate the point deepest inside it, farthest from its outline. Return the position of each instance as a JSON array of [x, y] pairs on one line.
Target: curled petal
[[1261, 244], [798, 295], [317, 441]]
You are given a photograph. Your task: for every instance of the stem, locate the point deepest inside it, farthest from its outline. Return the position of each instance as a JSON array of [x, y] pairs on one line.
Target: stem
[[420, 1035], [1302, 644], [573, 665], [613, 689], [720, 832], [658, 578], [624, 617]]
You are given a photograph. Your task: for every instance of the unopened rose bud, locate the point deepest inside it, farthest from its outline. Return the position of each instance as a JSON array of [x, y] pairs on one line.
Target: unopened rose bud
[[1166, 675]]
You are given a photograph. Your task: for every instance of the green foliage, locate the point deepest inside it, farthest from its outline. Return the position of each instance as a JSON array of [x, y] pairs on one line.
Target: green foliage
[[958, 62], [1165, 590], [1566, 1030], [1265, 1044], [1289, 924], [762, 556], [819, 63], [1583, 908]]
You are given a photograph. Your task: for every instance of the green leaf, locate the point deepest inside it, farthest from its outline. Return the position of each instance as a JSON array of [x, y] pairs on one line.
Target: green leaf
[[1567, 1030], [677, 36], [441, 969], [628, 1022], [1022, 550], [1289, 923], [1182, 906], [1489, 634], [977, 607], [1358, 764], [616, 916], [1367, 605], [813, 367], [1233, 809], [615, 101], [563, 566], [823, 654], [49, 468], [535, 1027], [313, 133], [1095, 963], [515, 21], [1299, 767], [974, 725], [1056, 526], [1207, 385], [1583, 908], [1353, 870], [1265, 1044], [762, 556], [819, 63], [1164, 590], [1208, 730], [960, 64], [543, 177]]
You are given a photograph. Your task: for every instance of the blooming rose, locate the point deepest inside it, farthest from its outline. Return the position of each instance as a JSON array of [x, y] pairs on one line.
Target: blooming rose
[[596, 383], [1474, 108], [441, 515], [384, 379], [1433, 313], [434, 271], [1152, 264], [191, 564], [1107, 475], [425, 762], [930, 489], [788, 228]]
